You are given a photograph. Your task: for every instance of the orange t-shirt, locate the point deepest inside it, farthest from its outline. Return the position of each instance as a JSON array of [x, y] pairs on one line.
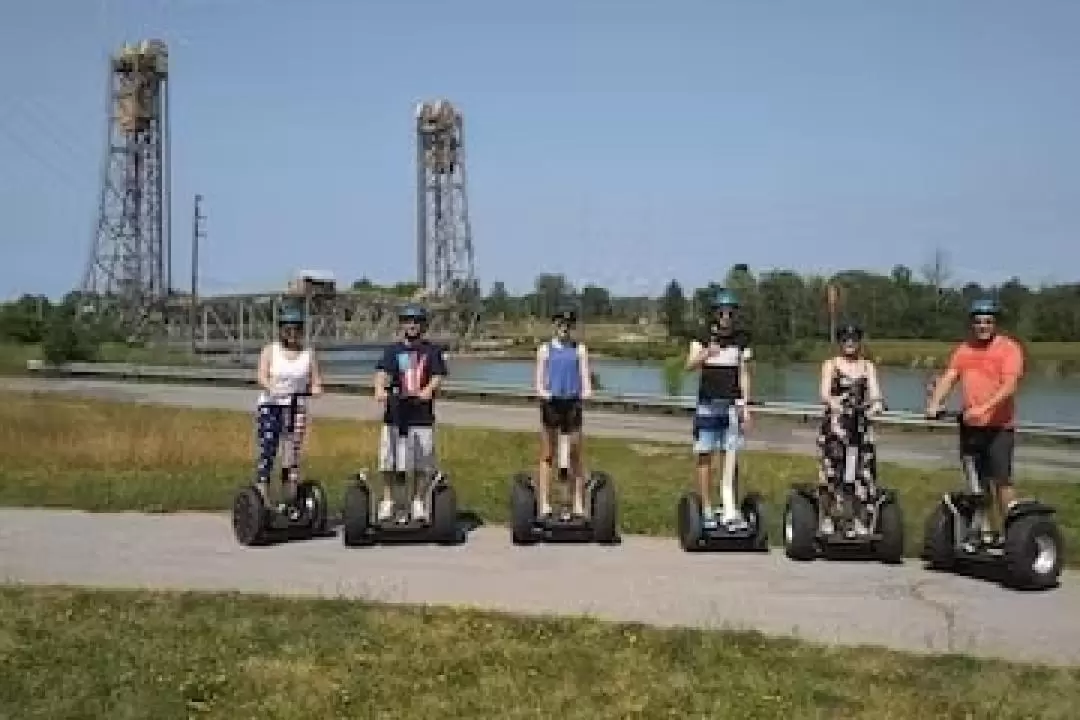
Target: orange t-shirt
[[983, 370]]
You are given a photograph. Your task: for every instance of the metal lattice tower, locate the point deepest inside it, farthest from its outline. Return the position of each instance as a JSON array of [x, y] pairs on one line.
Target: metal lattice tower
[[445, 268], [129, 276]]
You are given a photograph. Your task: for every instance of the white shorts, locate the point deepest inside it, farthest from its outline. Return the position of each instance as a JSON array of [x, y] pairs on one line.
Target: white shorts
[[397, 453]]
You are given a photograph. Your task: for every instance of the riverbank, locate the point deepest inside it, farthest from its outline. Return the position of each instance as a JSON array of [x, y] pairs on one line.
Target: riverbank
[[174, 655]]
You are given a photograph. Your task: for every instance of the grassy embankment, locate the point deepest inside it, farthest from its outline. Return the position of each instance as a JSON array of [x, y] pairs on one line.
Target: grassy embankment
[[73, 653], [79, 654], [97, 455]]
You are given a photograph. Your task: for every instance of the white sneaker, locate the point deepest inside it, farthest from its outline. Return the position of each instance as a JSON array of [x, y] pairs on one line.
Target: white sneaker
[[827, 527], [386, 509], [545, 510], [419, 510]]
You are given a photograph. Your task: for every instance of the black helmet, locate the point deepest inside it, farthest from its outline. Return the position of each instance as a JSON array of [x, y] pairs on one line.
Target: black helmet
[[566, 314], [849, 331]]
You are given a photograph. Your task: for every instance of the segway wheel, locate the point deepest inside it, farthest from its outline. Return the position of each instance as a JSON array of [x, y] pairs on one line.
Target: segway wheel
[[250, 517], [800, 527], [444, 515], [689, 522], [940, 541], [1033, 552], [356, 516], [890, 548], [522, 510], [312, 497], [753, 510], [604, 509]]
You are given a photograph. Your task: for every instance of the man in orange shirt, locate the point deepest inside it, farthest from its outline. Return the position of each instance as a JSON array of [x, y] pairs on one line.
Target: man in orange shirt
[[989, 366]]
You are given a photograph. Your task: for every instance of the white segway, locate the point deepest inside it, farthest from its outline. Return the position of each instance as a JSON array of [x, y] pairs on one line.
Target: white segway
[[738, 527], [599, 524]]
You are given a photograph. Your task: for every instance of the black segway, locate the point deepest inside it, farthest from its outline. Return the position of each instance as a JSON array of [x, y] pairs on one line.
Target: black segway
[[862, 518], [1031, 552], [361, 527], [257, 523], [599, 525], [747, 533]]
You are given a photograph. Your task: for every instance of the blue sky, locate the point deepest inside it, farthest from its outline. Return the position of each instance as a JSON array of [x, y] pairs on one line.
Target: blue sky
[[622, 143]]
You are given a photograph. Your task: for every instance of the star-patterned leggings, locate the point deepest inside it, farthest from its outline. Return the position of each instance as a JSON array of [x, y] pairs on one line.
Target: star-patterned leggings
[[273, 421]]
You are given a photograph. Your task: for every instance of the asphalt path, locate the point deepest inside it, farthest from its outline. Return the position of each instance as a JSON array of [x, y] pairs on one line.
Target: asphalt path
[[918, 449], [643, 580]]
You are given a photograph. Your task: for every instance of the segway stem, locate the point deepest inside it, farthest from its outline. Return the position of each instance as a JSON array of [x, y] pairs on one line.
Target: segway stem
[[727, 474]]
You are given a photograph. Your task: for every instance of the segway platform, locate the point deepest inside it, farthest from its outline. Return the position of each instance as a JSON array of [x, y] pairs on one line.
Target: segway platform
[[749, 535], [361, 529], [255, 523], [600, 525], [883, 536]]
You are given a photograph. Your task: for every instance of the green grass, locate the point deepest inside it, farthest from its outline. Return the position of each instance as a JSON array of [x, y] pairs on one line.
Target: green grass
[[98, 455], [13, 357], [79, 654]]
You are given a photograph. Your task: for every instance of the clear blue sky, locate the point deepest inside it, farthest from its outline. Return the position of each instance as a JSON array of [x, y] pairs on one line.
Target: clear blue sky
[[622, 143]]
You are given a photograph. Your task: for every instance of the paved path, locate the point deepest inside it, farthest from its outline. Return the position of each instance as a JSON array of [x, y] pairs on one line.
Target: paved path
[[645, 579], [782, 435]]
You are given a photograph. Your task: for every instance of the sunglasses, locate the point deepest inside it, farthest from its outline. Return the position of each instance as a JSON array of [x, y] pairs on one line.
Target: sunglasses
[[983, 321]]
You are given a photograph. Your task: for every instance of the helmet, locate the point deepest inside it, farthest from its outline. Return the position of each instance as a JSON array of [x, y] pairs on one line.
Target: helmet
[[413, 312], [849, 331], [724, 298], [291, 316], [567, 314], [984, 306]]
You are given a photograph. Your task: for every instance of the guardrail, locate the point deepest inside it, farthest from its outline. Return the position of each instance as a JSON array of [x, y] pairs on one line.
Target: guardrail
[[635, 402]]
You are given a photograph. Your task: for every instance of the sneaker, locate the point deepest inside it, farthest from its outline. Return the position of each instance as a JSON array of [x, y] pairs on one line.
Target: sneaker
[[419, 510], [386, 509], [827, 527], [708, 518], [545, 510], [735, 522]]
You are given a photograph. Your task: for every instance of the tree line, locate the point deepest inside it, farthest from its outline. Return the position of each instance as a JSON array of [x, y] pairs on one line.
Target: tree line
[[782, 306]]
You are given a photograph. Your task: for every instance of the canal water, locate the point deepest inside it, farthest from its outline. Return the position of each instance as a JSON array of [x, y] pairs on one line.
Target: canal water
[[1042, 399]]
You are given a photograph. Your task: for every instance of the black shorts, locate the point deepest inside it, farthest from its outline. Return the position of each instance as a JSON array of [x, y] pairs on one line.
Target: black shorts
[[992, 450], [562, 414]]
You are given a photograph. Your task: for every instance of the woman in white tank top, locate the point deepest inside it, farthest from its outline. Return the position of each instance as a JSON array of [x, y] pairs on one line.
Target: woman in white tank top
[[287, 373]]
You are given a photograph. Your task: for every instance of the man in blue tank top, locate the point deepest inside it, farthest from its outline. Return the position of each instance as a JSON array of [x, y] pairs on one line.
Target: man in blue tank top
[[721, 414], [563, 380]]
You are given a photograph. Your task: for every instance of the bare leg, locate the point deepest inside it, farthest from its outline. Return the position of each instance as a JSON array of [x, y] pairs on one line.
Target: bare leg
[[703, 475], [548, 440], [577, 470]]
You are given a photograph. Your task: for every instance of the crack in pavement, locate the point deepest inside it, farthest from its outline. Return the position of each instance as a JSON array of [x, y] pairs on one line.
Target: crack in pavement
[[917, 591]]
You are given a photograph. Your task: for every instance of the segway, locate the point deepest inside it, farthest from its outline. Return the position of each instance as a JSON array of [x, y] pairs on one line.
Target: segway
[[1031, 552], [361, 526], [599, 525], [746, 532], [871, 523], [257, 523]]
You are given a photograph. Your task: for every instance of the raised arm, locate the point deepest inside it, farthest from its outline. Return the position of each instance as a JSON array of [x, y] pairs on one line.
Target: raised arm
[[695, 357]]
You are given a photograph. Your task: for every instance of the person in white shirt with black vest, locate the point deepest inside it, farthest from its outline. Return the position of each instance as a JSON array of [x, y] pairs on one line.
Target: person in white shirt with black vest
[[723, 359]]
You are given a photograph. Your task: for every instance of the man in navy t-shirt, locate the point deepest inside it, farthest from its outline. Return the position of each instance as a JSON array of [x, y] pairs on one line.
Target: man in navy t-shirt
[[406, 378]]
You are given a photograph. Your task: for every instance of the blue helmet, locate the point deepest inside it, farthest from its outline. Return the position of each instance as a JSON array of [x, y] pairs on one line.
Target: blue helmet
[[984, 306], [413, 312], [291, 315], [724, 298]]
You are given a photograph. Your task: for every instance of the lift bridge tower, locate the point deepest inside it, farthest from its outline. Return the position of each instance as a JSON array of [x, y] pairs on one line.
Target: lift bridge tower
[[128, 278], [445, 268]]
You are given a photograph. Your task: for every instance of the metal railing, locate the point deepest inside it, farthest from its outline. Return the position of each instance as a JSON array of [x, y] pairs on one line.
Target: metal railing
[[637, 402]]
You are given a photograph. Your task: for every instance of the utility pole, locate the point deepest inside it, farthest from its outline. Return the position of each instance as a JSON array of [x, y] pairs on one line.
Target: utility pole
[[198, 232]]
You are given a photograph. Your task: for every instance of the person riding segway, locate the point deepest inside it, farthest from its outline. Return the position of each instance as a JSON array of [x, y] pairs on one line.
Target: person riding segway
[[288, 374], [407, 376], [721, 417], [848, 507], [1024, 537], [563, 381]]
